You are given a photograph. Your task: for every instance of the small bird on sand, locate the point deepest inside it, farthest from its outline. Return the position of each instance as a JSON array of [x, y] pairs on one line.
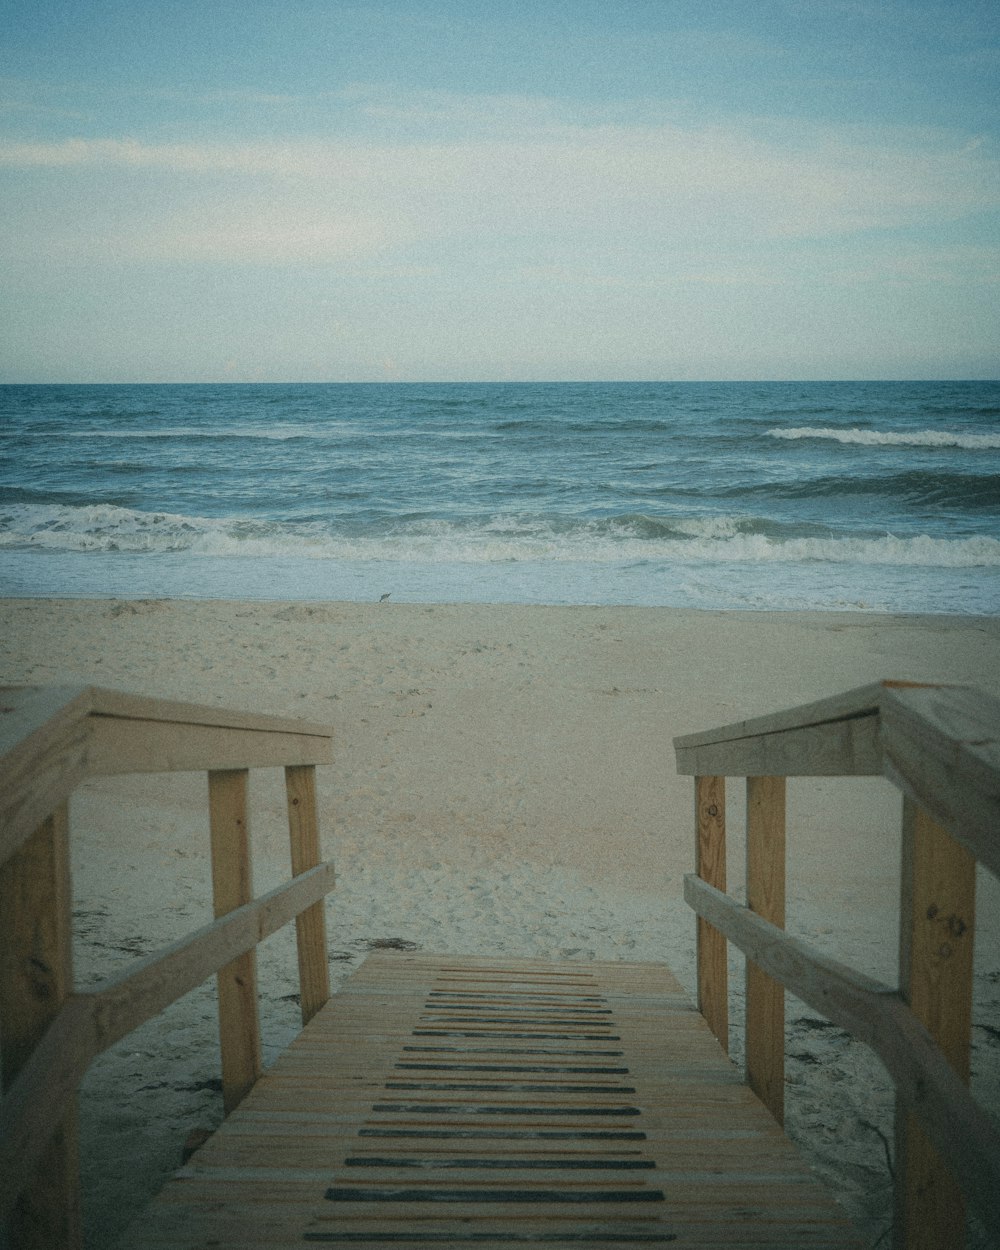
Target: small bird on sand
[[383, 598]]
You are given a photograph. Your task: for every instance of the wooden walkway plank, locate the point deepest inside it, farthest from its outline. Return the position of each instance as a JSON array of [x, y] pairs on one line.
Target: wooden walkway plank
[[438, 1101]]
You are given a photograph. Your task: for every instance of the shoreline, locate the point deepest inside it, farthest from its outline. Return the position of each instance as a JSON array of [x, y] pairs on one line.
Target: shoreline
[[503, 781]]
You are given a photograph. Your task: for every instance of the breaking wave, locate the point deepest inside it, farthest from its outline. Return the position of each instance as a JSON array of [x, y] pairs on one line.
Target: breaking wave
[[499, 538], [891, 438]]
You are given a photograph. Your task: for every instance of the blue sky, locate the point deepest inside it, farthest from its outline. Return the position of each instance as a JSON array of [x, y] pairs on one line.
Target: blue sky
[[287, 190]]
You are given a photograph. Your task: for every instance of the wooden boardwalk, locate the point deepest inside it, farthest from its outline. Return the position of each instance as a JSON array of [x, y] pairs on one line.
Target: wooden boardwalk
[[461, 1101]]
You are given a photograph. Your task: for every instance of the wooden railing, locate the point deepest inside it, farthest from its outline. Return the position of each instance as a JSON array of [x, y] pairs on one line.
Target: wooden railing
[[50, 741], [940, 745]]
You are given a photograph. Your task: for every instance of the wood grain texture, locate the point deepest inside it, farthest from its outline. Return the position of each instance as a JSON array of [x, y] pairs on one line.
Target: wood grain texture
[[765, 997], [942, 749], [710, 865], [36, 977], [585, 1102], [310, 926], [844, 748], [232, 886], [937, 924], [43, 756], [52, 738], [925, 1081], [89, 1023], [120, 746], [833, 737]]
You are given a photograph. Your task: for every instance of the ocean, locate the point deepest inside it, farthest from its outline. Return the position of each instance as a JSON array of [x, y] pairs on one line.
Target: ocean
[[843, 496]]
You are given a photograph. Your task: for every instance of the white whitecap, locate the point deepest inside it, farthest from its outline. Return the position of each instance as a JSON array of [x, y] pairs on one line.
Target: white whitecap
[[893, 438], [709, 540]]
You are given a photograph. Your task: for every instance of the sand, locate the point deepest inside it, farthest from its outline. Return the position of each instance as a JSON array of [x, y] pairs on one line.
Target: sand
[[504, 782]]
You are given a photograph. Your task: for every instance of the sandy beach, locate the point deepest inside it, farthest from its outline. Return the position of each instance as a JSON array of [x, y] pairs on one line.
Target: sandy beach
[[504, 782]]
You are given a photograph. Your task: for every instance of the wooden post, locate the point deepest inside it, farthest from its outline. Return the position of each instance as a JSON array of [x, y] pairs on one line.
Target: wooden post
[[765, 1006], [710, 865], [310, 926], [232, 886], [36, 977], [936, 929]]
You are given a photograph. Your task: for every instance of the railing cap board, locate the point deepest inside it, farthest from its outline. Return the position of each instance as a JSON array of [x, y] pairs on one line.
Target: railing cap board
[[52, 738], [48, 701], [940, 744], [852, 704], [37, 712], [960, 724]]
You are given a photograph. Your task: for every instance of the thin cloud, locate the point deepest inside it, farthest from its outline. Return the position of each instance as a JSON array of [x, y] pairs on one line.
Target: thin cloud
[[662, 187]]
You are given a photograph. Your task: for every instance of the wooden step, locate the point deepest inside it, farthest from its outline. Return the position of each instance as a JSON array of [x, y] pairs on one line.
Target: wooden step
[[445, 1101]]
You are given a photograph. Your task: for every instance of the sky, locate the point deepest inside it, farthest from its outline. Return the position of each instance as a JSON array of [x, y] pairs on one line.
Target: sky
[[442, 190]]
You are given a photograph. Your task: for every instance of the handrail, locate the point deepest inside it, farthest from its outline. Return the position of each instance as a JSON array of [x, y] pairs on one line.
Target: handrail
[[52, 738], [50, 741], [940, 745]]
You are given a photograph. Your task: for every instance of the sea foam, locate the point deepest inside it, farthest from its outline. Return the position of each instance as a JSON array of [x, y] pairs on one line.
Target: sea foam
[[894, 438], [498, 538]]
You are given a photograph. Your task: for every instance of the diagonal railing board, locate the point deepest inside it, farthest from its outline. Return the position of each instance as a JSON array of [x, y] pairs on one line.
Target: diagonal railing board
[[496, 1101], [50, 741], [940, 745], [877, 1016], [91, 1022]]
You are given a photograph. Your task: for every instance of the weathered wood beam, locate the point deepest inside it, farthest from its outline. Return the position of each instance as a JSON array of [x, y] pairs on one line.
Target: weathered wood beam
[[52, 738], [119, 745], [232, 887], [942, 748], [36, 977], [876, 1015], [710, 865], [43, 756], [844, 748], [765, 997], [936, 930], [834, 737], [89, 1023], [125, 1002], [310, 925]]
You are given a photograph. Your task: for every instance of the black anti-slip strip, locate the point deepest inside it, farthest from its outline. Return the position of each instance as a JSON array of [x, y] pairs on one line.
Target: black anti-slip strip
[[572, 1009], [503, 1134], [498, 1033], [514, 1050], [509, 1087], [507, 1163], [510, 1067], [440, 1108], [577, 998], [493, 1238], [438, 1018], [579, 1197]]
